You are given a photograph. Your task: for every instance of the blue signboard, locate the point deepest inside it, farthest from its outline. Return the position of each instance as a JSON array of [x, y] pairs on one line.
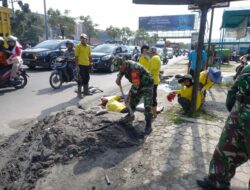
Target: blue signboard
[[167, 23]]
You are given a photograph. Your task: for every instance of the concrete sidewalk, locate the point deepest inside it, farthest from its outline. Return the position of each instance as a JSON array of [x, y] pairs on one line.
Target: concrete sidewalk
[[182, 147]]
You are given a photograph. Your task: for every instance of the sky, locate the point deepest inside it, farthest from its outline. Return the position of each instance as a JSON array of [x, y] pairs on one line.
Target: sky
[[122, 13]]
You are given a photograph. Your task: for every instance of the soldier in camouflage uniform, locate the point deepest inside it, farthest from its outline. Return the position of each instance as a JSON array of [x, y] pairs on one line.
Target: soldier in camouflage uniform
[[142, 87], [233, 148]]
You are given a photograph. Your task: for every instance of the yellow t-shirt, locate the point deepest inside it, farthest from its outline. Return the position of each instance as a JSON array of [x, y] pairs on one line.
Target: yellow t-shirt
[[83, 53], [154, 68], [186, 92], [144, 61], [205, 80]]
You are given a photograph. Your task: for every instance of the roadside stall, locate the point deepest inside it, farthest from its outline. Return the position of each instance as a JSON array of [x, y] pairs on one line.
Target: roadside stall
[[234, 23]]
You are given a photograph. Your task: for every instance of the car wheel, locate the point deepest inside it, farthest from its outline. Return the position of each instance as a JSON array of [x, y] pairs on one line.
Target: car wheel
[[52, 63], [111, 68], [31, 66]]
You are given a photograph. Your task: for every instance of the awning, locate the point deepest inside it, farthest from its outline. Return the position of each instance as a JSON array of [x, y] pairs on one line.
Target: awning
[[232, 18], [179, 2]]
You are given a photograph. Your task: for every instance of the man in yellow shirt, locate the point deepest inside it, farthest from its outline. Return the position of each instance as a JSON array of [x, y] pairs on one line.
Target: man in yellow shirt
[[154, 69], [185, 94], [144, 58], [83, 61], [208, 78]]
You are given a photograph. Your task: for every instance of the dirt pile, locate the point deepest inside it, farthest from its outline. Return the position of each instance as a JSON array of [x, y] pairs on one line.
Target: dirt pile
[[60, 139]]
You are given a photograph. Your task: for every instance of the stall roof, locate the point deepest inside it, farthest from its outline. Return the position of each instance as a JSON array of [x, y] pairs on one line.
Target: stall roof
[[233, 17], [179, 2]]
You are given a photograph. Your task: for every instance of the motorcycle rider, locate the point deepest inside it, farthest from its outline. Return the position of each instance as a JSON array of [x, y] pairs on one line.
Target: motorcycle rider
[[70, 55], [15, 58], [4, 54], [136, 54]]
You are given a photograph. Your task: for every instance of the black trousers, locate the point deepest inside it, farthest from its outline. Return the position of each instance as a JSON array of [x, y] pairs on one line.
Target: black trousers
[[84, 75], [154, 96], [185, 103]]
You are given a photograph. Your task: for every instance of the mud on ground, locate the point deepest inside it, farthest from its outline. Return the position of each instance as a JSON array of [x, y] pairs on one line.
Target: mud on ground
[[60, 139]]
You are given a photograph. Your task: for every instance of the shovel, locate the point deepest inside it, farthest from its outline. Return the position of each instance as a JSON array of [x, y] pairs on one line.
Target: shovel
[[127, 104]]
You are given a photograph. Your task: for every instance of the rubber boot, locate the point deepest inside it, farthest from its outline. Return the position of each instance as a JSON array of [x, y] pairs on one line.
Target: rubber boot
[[154, 111], [148, 127], [79, 91], [204, 183], [86, 90]]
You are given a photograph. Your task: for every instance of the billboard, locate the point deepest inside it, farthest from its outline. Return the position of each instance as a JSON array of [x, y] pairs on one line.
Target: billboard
[[167, 23]]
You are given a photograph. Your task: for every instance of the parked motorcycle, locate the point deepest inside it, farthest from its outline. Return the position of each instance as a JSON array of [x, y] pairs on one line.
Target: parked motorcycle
[[61, 73], [20, 82]]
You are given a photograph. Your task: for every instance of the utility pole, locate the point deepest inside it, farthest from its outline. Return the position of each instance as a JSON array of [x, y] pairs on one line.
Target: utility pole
[[210, 36], [46, 20], [5, 3], [204, 9]]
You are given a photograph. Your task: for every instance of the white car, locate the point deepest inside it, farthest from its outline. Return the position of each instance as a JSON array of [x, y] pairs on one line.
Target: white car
[[170, 53]]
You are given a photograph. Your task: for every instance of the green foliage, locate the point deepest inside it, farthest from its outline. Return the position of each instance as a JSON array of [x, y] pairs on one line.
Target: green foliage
[[88, 26], [173, 115], [143, 37], [125, 34], [62, 24], [114, 32], [27, 26], [202, 114]]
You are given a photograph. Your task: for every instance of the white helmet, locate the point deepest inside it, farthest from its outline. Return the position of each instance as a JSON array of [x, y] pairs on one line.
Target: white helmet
[[12, 38]]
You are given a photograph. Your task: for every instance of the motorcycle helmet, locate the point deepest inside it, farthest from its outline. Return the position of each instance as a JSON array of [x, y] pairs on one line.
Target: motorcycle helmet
[[68, 42], [84, 36], [12, 39]]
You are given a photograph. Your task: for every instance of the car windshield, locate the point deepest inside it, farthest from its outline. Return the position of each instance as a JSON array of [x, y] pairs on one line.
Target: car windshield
[[48, 44], [104, 48]]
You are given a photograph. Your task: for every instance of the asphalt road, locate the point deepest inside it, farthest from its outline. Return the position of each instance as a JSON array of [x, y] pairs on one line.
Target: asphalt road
[[38, 99]]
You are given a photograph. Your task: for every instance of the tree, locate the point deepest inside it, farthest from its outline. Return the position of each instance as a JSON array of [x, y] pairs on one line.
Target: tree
[[141, 37], [27, 26], [125, 34], [62, 25], [88, 26], [114, 33]]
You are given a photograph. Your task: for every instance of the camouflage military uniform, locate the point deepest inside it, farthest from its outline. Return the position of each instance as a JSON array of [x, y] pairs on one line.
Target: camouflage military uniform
[[233, 148], [142, 87]]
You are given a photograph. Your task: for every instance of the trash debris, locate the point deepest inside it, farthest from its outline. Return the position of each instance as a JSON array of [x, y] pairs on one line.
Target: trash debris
[[141, 108], [107, 180]]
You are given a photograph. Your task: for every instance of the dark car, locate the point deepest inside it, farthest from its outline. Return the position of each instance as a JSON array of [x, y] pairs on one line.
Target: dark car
[[103, 55], [45, 53]]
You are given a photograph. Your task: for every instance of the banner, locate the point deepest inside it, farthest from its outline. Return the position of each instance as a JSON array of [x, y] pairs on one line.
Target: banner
[[167, 23], [242, 29]]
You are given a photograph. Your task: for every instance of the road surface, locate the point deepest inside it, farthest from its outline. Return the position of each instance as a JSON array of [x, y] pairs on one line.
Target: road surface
[[38, 99]]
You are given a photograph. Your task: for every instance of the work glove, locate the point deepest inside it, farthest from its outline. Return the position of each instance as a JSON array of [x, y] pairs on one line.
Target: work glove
[[171, 96]]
